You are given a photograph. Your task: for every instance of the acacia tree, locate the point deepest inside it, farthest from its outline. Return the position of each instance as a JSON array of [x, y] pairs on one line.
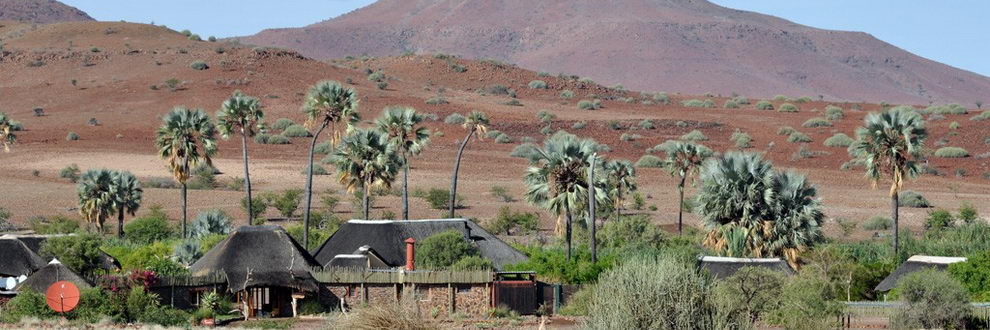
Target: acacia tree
[[621, 176], [364, 159], [401, 128], [684, 159], [7, 137], [890, 144], [241, 114], [327, 104], [126, 197], [185, 140], [476, 123], [96, 196]]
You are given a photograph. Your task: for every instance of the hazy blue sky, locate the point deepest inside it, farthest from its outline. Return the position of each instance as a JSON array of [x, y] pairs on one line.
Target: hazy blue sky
[[954, 34]]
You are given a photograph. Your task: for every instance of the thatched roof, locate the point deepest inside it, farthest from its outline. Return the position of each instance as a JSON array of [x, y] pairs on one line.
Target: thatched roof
[[387, 238], [35, 242], [17, 259], [723, 267], [259, 256], [364, 258], [46, 276], [913, 264]]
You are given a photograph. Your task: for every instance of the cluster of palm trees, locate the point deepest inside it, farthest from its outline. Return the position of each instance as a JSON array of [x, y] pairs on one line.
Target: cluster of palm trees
[[103, 193]]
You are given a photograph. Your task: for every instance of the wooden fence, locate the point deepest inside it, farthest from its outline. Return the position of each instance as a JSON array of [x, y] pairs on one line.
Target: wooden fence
[[346, 275], [866, 313]]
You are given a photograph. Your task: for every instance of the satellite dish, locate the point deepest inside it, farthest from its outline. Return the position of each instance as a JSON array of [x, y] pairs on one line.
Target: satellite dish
[[62, 296], [10, 283]]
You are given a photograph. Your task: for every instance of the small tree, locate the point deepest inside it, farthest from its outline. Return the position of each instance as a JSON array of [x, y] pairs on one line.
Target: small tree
[[933, 300], [683, 161], [443, 250], [96, 197], [753, 291], [127, 194]]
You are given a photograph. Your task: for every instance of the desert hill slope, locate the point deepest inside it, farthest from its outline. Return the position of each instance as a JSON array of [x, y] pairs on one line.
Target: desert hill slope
[[690, 46], [40, 11]]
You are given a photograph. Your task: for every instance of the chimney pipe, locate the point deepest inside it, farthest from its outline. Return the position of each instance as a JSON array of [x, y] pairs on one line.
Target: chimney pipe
[[410, 254]]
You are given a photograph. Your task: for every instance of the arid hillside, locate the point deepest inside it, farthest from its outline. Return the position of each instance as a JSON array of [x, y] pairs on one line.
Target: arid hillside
[[688, 46], [109, 83], [40, 11]]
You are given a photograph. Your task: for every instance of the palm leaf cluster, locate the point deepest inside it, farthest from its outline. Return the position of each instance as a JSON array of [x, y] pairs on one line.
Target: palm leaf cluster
[[684, 161], [104, 192], [365, 159], [751, 210], [402, 128]]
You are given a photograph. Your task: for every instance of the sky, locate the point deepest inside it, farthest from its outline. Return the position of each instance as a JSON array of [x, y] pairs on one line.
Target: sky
[[951, 31]]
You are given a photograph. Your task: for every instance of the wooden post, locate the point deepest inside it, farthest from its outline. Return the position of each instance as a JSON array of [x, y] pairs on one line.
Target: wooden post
[[452, 299]]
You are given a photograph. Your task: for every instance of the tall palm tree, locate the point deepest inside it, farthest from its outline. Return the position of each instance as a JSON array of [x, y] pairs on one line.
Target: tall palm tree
[[241, 114], [185, 140], [7, 137], [890, 144], [476, 123], [364, 159], [327, 104], [798, 216], [96, 196], [558, 180], [684, 159], [126, 197], [401, 128], [621, 175]]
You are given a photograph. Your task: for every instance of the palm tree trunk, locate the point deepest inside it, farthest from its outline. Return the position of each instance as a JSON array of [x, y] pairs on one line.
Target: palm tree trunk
[[366, 203], [405, 186], [893, 208], [247, 178], [457, 167], [120, 223], [567, 210], [618, 202], [184, 209], [309, 185], [680, 208], [591, 211]]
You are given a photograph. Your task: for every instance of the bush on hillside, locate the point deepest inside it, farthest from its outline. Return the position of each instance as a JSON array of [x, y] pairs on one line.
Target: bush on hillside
[[694, 135], [589, 104], [282, 123], [833, 112], [454, 119], [730, 104], [798, 137], [787, 107], [510, 222], [296, 131], [439, 199], [839, 140], [951, 152], [694, 103], [938, 220], [538, 84], [631, 233], [785, 130], [649, 161], [878, 223], [817, 122], [764, 105], [910, 198]]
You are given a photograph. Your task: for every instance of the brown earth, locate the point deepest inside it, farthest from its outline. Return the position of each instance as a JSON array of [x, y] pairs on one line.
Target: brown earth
[[56, 68], [688, 46], [40, 11]]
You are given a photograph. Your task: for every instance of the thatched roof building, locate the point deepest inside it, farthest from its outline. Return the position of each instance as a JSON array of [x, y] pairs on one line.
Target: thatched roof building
[[259, 256], [36, 241], [723, 267], [913, 264], [53, 272], [386, 238], [364, 258], [17, 259]]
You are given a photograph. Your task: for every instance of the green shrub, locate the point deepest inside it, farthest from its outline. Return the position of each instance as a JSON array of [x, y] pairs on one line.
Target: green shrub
[[787, 107], [974, 274], [442, 250], [577, 304], [646, 124], [910, 198], [764, 105], [650, 161], [817, 122], [72, 136], [947, 109], [985, 115], [661, 98], [538, 84], [510, 222], [730, 104], [785, 130], [626, 137], [968, 213], [579, 125], [271, 139], [806, 304], [502, 194], [454, 119], [438, 100], [694, 135], [798, 137], [878, 223], [439, 199], [751, 291], [58, 224], [472, 263], [317, 235], [567, 94], [741, 140], [839, 140], [833, 112], [296, 131], [382, 85], [933, 300], [286, 203], [551, 264], [632, 233], [780, 98], [199, 65], [694, 103], [79, 252], [376, 76], [282, 123], [525, 150], [937, 220], [954, 125], [589, 104], [323, 148], [951, 152], [148, 229], [70, 172]]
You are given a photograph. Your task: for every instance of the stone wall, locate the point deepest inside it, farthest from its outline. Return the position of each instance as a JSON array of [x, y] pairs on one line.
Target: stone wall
[[432, 300]]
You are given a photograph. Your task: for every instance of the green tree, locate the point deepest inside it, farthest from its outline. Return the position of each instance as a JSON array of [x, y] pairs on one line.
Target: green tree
[[401, 127], [126, 197], [621, 177], [7, 137], [933, 300], [327, 104], [684, 160], [185, 140], [364, 159], [890, 144], [474, 123], [80, 252], [241, 114], [96, 196], [442, 250]]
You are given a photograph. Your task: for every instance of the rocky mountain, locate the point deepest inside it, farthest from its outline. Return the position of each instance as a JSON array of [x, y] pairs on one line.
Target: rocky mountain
[[690, 46], [40, 11]]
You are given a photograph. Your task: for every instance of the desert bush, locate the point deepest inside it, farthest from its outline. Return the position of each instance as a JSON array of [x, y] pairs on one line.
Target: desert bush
[[382, 85], [497, 89], [974, 274], [764, 105], [911, 198], [58, 224], [626, 137], [806, 303], [649, 161], [376, 76], [730, 104], [439, 199], [751, 291], [694, 135], [390, 315], [780, 98], [785, 130], [933, 300], [947, 109], [951, 152], [817, 122], [878, 223], [938, 220], [967, 213], [323, 148], [567, 94], [282, 123], [798, 137], [985, 115], [503, 139], [538, 84], [259, 205], [661, 98], [442, 250], [151, 228], [646, 124], [438, 100], [70, 172], [199, 65], [579, 125], [317, 235], [839, 140], [631, 233], [501, 194], [272, 139], [454, 119], [833, 112], [954, 125], [787, 107], [286, 203], [525, 150], [590, 104], [551, 263], [510, 222], [72, 136], [694, 103], [296, 131]]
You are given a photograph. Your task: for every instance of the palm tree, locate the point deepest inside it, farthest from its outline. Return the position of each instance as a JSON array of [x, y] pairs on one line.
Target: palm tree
[[7, 137], [327, 104], [185, 140], [798, 216], [558, 182], [241, 114], [126, 197], [475, 122], [400, 126], [365, 158], [684, 159], [96, 196], [621, 175], [890, 144]]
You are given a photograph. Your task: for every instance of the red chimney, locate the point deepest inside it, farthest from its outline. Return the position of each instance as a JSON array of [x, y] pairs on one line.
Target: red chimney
[[410, 254]]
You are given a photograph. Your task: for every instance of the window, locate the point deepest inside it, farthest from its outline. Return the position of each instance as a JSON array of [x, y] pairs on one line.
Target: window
[[463, 288]]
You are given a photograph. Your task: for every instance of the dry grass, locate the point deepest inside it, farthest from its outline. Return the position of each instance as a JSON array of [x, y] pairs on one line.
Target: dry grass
[[397, 316]]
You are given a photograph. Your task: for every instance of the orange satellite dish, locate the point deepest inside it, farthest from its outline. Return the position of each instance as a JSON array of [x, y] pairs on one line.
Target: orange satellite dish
[[62, 296]]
